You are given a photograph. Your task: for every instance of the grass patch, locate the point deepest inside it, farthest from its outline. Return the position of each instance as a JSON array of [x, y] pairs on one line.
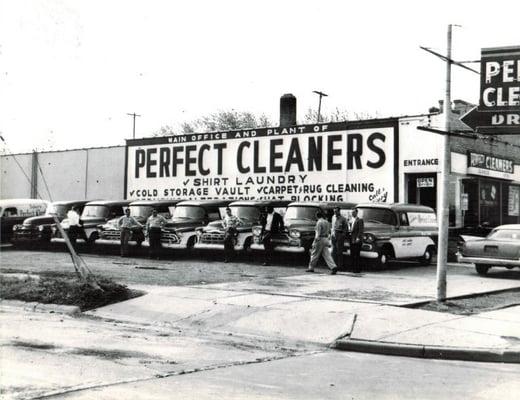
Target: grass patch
[[475, 304], [66, 289]]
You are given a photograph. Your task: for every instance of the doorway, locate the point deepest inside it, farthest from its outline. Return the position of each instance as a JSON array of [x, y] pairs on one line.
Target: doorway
[[422, 189]]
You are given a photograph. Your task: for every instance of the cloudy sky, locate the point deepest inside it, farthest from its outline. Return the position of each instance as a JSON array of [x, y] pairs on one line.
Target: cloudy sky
[[71, 70]]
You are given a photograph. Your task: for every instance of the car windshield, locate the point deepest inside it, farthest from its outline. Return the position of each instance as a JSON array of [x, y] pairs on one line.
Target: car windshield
[[141, 211], [301, 212], [94, 211], [377, 215], [56, 209], [189, 212], [505, 234], [249, 213]]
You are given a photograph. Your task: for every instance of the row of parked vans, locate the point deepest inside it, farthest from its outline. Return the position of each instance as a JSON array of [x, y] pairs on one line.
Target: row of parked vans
[[392, 231]]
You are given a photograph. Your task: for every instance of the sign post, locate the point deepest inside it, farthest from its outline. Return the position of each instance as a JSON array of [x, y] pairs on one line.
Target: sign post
[[498, 112]]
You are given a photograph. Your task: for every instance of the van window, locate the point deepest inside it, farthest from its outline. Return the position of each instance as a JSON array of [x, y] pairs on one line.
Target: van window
[[94, 211], [378, 215], [403, 219], [422, 219], [301, 212], [10, 212], [213, 214]]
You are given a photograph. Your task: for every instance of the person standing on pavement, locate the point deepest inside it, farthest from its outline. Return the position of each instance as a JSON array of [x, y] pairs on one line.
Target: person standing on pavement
[[339, 234], [154, 224], [75, 228], [320, 245], [272, 223], [126, 223], [229, 223], [356, 239]]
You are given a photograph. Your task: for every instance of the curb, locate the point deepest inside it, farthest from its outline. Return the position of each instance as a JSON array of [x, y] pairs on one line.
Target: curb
[[432, 352], [40, 307]]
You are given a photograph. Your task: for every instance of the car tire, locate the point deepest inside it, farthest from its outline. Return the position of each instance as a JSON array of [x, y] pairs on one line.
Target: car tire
[[382, 259], [92, 238], [482, 269], [191, 242], [427, 257]]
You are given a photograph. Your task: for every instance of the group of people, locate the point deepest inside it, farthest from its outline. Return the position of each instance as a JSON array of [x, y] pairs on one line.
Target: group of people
[[325, 234], [336, 234], [127, 224], [272, 224]]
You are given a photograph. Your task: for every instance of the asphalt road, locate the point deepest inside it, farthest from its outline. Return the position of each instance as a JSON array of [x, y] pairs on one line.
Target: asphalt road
[[108, 359], [184, 268], [329, 375]]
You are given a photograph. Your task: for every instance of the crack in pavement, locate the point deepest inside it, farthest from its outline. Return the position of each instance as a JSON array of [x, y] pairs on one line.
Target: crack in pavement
[[80, 388]]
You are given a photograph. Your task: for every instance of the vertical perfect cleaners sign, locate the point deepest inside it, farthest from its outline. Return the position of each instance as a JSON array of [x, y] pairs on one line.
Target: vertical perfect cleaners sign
[[324, 162]]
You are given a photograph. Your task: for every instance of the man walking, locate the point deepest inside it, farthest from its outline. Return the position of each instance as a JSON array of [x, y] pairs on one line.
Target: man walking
[[356, 239], [229, 223], [154, 224], [126, 223], [272, 224], [320, 246], [339, 234]]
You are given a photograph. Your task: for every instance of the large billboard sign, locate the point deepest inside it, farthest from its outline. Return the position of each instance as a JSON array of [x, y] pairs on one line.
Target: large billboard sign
[[323, 162], [498, 111]]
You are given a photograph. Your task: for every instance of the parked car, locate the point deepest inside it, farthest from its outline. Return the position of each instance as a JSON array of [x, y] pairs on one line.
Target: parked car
[[15, 211], [140, 210], [188, 216], [501, 248], [249, 213], [300, 222], [398, 232], [39, 229], [96, 213]]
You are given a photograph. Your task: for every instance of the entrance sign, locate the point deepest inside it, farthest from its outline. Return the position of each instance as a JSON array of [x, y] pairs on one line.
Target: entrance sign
[[425, 182], [323, 162], [498, 111]]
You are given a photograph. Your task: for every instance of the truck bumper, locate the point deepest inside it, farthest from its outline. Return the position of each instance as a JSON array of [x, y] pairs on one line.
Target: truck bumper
[[215, 246]]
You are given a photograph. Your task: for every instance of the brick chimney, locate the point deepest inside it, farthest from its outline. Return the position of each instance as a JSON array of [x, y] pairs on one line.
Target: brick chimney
[[287, 110]]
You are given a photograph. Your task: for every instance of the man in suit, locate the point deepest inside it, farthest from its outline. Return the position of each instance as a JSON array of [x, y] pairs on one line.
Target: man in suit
[[339, 234], [272, 223], [356, 239]]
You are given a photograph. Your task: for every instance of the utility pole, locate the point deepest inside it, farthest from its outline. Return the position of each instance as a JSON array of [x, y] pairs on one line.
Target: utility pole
[[443, 182], [133, 115], [321, 94]]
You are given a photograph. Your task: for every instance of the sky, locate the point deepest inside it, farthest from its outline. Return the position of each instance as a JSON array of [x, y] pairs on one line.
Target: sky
[[71, 70]]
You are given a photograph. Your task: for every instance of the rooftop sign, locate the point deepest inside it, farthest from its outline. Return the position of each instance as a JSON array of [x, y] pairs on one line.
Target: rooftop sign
[[498, 111]]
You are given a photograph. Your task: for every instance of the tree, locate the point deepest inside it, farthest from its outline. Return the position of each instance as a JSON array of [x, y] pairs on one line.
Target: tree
[[338, 115], [218, 121]]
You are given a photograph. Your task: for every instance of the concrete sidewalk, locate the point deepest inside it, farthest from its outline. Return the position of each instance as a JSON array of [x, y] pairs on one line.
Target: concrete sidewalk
[[356, 313]]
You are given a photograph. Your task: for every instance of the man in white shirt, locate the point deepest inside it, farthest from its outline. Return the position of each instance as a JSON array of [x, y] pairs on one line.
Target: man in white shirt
[[229, 223], [126, 223], [75, 228], [154, 225]]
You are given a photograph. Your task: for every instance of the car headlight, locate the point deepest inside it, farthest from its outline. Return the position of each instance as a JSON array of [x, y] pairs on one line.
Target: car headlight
[[369, 238], [294, 233], [199, 232], [257, 230], [41, 228], [17, 227]]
